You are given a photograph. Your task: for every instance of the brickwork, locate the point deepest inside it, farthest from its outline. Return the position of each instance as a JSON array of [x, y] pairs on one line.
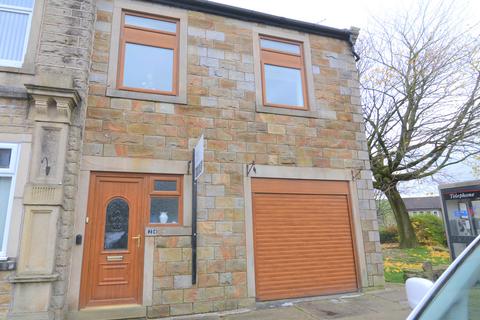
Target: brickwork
[[13, 116], [221, 279], [221, 104]]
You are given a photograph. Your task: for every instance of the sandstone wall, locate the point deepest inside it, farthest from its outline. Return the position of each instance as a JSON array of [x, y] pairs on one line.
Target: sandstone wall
[[221, 104]]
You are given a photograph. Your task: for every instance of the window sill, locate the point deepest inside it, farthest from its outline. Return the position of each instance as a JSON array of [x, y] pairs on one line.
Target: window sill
[[30, 70], [288, 112], [115, 93]]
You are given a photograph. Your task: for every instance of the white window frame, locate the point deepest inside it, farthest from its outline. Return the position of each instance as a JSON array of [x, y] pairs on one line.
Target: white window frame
[[11, 172], [22, 10]]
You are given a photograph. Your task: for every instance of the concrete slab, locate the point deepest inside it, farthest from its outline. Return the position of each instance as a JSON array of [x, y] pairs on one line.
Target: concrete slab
[[272, 314], [331, 309], [395, 315], [392, 292], [389, 303]]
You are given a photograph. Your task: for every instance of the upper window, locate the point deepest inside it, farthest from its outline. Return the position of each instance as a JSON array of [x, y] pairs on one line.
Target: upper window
[[283, 73], [15, 19], [148, 59], [8, 167], [166, 200]]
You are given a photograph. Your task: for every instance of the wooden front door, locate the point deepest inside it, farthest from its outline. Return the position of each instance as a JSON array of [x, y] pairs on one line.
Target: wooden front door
[[113, 254]]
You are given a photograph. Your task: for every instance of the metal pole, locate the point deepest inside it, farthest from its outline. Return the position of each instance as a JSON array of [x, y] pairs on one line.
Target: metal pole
[[194, 222]]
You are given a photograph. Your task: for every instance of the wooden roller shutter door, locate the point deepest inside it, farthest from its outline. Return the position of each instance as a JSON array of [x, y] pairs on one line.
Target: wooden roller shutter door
[[303, 239]]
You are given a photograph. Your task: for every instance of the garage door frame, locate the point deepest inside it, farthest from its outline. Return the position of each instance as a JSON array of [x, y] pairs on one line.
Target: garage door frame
[[264, 171]]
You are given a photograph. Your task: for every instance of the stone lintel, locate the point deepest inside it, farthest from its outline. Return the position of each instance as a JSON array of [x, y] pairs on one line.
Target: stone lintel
[[33, 278]]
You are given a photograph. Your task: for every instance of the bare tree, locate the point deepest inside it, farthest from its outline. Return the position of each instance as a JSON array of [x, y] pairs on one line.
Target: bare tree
[[420, 81], [475, 165]]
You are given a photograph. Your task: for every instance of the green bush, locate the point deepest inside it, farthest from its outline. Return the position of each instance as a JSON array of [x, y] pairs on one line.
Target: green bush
[[389, 234], [429, 229]]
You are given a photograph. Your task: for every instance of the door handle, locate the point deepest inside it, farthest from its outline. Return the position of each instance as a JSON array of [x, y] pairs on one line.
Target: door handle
[[139, 240]]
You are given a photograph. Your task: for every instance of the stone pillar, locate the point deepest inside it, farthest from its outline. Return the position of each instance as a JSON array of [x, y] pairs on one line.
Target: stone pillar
[[51, 110]]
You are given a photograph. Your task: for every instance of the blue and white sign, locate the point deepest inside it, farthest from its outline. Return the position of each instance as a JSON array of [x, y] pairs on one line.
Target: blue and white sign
[[461, 214]]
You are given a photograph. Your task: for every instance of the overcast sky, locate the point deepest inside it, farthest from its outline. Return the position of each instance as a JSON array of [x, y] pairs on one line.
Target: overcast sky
[[360, 13], [341, 13]]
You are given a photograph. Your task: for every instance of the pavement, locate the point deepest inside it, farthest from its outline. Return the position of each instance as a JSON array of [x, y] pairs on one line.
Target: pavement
[[389, 303]]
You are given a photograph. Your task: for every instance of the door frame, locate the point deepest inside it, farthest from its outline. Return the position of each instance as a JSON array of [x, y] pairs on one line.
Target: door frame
[[88, 246], [121, 165], [305, 173]]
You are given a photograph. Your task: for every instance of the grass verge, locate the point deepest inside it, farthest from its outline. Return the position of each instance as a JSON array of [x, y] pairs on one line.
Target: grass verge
[[397, 260]]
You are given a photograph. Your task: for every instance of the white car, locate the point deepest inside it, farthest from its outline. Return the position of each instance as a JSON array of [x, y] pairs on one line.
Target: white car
[[454, 296]]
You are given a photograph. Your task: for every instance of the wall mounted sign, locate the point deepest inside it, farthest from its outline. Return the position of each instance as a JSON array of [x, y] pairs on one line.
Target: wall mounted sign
[[199, 151], [462, 195], [197, 170], [151, 231]]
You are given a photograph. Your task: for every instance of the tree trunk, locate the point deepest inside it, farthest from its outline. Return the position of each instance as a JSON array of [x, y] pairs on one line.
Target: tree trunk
[[406, 234]]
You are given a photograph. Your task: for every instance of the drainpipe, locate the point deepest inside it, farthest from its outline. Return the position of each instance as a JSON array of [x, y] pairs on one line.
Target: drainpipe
[[354, 31]]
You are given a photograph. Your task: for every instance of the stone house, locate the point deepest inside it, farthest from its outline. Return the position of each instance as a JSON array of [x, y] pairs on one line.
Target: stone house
[[101, 103]]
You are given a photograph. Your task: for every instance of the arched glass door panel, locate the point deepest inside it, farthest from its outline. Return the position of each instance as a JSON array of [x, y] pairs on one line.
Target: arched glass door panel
[[116, 225]]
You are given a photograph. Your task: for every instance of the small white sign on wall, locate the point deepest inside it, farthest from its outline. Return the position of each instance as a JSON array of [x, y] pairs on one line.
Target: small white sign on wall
[[199, 154]]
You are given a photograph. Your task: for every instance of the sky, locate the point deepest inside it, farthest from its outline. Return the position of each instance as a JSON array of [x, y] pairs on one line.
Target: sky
[[343, 14], [340, 13]]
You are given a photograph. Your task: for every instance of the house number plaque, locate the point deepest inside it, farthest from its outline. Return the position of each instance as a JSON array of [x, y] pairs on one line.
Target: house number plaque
[[151, 232]]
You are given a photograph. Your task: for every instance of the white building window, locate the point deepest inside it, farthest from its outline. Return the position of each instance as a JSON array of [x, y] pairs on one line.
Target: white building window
[[8, 169], [15, 20]]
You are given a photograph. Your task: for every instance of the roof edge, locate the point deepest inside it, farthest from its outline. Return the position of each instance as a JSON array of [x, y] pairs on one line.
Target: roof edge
[[258, 17]]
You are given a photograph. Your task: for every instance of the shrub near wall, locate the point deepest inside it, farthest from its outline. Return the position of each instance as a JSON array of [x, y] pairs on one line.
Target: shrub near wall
[[389, 234], [429, 229]]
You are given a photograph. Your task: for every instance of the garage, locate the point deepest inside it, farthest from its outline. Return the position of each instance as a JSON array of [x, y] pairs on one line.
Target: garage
[[303, 239]]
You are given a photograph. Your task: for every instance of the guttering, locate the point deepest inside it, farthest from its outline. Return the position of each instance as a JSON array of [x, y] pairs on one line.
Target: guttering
[[258, 17]]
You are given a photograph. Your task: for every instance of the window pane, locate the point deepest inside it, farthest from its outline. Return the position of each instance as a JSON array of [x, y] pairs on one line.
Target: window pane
[[154, 24], [17, 3], [164, 210], [280, 46], [116, 225], [5, 183], [163, 185], [13, 28], [5, 155], [283, 85], [148, 67]]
